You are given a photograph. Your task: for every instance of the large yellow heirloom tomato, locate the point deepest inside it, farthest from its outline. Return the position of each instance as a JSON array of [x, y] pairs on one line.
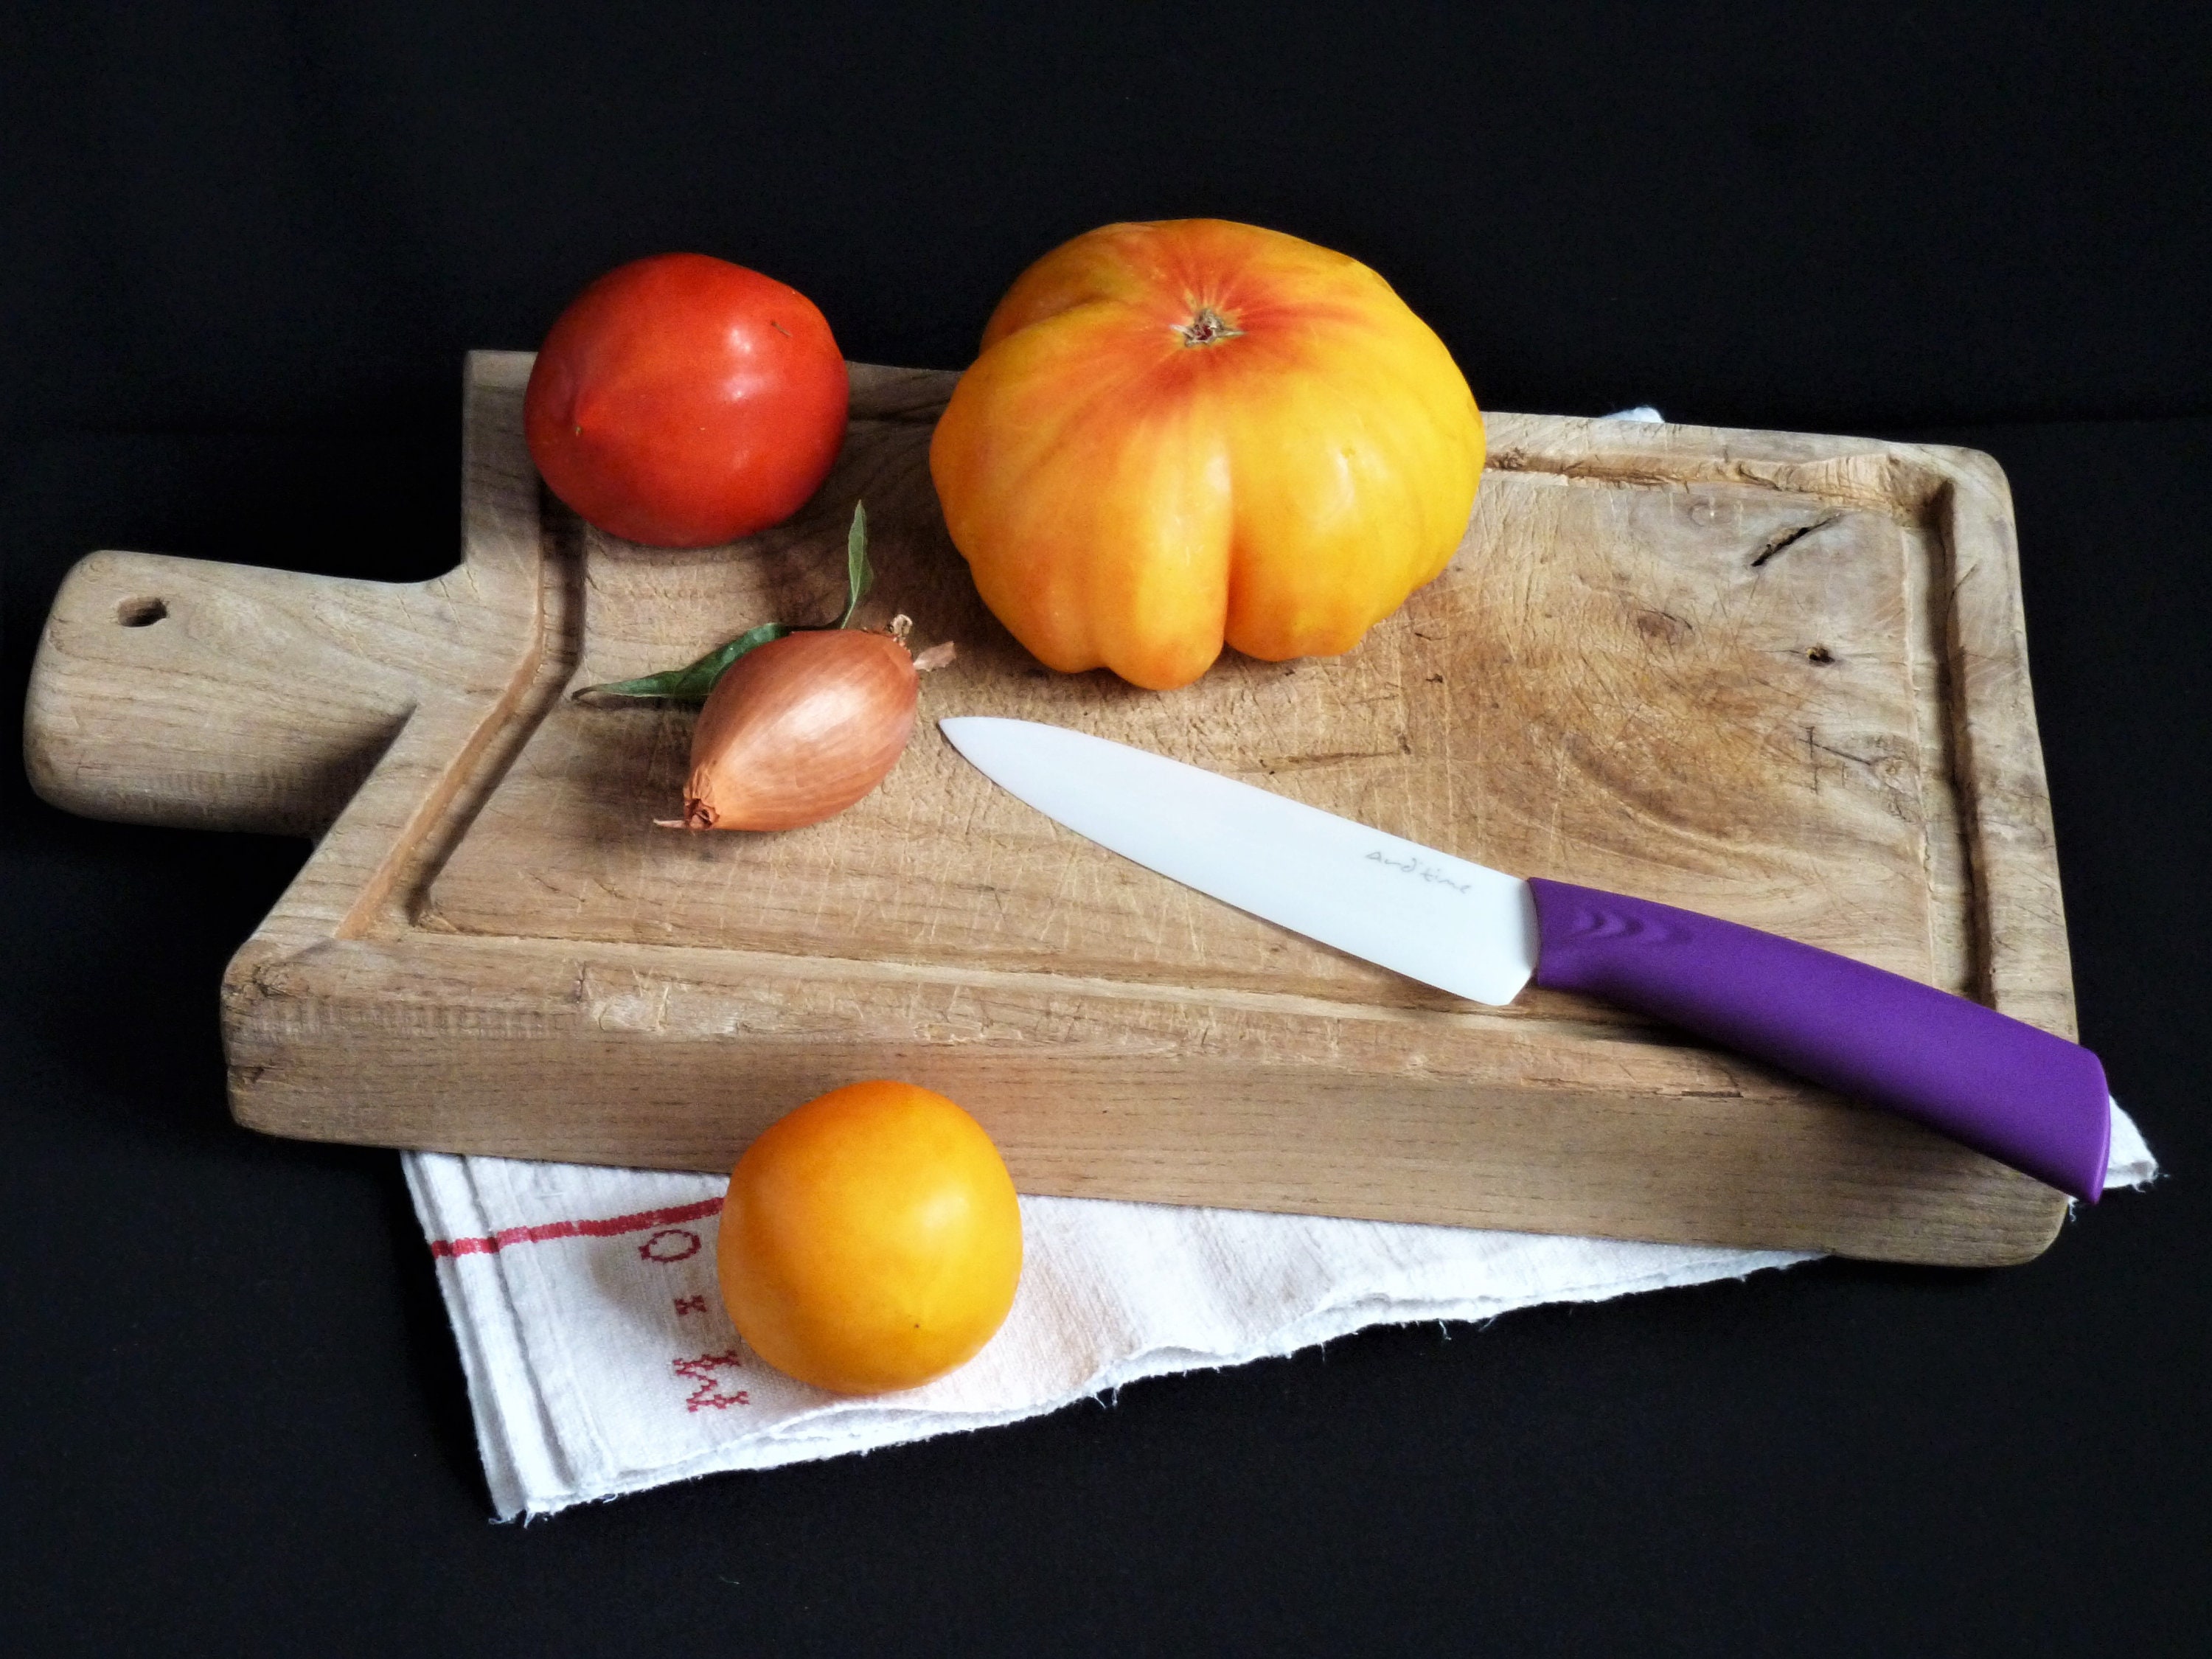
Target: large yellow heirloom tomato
[[871, 1239], [1194, 432]]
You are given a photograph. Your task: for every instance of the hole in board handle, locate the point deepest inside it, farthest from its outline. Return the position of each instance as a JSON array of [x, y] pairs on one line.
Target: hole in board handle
[[141, 613]]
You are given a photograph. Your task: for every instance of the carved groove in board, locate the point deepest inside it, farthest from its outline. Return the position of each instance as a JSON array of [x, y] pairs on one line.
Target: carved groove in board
[[397, 903]]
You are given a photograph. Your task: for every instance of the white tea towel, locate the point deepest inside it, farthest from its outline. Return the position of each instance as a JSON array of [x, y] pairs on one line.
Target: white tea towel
[[599, 1359]]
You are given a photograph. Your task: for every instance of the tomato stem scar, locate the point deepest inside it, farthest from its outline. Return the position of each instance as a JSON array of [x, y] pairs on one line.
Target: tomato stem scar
[[1207, 327]]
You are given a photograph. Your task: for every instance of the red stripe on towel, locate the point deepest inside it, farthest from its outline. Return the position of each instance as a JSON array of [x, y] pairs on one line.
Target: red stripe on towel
[[606, 1229]]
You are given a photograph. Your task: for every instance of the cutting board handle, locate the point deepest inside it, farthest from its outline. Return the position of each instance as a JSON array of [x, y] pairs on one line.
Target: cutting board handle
[[217, 697]]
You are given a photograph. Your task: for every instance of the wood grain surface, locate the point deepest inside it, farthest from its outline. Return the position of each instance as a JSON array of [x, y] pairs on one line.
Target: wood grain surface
[[1776, 678]]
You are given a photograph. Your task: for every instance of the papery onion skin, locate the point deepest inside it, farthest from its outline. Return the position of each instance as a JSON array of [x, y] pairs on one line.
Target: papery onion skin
[[799, 729]]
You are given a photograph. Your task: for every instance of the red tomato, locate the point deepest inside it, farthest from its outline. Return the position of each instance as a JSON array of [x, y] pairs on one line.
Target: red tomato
[[683, 401]]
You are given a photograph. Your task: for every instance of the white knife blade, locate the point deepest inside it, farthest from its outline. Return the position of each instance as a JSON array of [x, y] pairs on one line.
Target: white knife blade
[[1460, 926]]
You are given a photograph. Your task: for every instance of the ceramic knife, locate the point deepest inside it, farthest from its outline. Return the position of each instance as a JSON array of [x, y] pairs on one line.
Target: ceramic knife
[[2019, 1094]]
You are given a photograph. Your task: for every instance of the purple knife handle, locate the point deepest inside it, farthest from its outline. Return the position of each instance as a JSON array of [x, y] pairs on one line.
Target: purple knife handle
[[2024, 1097]]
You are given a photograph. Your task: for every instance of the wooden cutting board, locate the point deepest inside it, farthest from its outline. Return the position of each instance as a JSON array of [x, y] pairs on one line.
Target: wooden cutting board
[[1778, 678]]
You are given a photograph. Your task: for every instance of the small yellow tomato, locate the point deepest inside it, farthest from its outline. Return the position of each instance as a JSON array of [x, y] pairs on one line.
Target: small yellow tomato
[[871, 1239], [1194, 432]]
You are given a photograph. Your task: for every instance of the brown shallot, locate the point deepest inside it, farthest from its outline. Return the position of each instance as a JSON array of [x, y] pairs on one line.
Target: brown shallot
[[798, 730], [799, 722]]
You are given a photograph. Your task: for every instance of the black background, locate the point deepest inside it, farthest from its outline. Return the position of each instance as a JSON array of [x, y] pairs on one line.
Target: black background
[[244, 247]]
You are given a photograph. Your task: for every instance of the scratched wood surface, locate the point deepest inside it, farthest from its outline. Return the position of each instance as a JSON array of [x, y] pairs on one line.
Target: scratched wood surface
[[1777, 677]]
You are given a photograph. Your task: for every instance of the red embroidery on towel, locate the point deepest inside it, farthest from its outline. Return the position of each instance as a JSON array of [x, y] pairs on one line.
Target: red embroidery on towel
[[709, 1391], [608, 1228], [683, 1244], [686, 1304]]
